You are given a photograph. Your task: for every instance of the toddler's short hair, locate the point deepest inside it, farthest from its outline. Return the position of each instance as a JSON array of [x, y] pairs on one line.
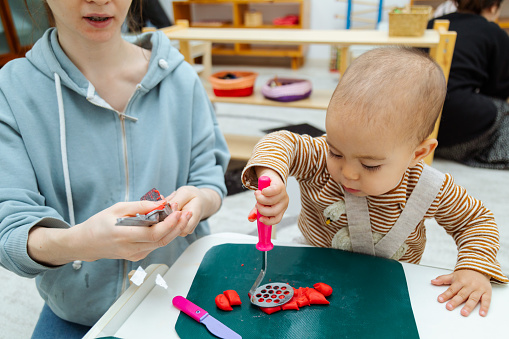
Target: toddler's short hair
[[392, 87]]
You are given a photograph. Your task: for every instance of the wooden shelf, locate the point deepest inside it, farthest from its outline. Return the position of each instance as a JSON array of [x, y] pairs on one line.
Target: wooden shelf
[[261, 50], [221, 49], [236, 9], [319, 99], [204, 25], [241, 146], [440, 40]]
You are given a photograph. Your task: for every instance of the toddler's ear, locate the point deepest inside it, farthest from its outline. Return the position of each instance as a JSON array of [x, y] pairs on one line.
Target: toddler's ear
[[423, 150]]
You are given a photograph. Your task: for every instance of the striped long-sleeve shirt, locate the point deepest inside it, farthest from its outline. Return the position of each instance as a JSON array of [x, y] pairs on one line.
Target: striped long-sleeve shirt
[[465, 218]]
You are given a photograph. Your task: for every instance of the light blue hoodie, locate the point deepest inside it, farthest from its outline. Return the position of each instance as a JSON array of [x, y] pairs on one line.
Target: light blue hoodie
[[55, 128]]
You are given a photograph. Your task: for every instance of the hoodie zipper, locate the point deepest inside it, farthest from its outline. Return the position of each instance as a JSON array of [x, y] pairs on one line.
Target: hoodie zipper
[[126, 167], [122, 118], [126, 162]]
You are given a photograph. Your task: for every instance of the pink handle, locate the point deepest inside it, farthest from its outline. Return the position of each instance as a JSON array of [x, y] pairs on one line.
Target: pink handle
[[189, 308], [264, 231]]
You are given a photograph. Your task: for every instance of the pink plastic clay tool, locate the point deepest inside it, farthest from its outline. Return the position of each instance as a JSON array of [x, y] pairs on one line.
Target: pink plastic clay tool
[[273, 294], [214, 326]]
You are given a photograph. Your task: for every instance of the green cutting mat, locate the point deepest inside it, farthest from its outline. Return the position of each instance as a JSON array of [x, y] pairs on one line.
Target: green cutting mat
[[370, 298]]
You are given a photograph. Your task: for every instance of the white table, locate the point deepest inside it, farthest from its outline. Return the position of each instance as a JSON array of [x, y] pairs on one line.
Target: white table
[[147, 312]]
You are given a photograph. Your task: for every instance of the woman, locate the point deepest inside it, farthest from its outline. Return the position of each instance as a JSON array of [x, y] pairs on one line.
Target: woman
[[88, 119], [475, 121]]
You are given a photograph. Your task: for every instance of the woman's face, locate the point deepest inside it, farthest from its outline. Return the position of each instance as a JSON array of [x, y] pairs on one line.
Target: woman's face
[[89, 20]]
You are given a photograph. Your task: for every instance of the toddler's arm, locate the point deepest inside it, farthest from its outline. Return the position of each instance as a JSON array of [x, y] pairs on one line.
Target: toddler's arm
[[473, 228], [467, 286], [272, 201]]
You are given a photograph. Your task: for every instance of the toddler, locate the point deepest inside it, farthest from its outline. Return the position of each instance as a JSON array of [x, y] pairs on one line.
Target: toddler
[[364, 185]]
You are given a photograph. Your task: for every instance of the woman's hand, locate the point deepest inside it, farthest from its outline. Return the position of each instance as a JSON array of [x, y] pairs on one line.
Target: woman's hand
[[195, 203], [99, 237]]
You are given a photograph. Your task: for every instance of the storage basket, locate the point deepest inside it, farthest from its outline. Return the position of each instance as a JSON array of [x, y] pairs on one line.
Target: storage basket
[[409, 21], [253, 19], [287, 89], [241, 85]]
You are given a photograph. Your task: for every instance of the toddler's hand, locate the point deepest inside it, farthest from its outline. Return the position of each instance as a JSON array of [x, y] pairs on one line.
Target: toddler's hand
[[272, 201], [466, 285]]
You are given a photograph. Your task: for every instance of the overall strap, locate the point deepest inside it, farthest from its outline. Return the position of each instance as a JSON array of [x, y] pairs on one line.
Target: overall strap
[[423, 195], [359, 224]]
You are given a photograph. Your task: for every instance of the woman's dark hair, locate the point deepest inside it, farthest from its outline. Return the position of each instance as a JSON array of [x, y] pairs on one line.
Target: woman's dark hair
[[36, 10], [476, 6]]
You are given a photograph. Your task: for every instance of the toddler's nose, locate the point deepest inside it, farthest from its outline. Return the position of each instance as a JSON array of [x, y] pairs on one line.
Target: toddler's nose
[[349, 173]]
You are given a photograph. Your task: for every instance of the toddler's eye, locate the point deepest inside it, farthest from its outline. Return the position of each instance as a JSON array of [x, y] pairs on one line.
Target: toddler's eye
[[372, 168], [335, 155]]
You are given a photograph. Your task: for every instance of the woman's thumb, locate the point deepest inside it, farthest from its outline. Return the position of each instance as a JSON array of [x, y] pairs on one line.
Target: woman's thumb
[[141, 207]]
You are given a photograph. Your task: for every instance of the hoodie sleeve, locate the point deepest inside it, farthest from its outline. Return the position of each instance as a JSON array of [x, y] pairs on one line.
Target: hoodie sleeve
[[209, 152], [21, 204]]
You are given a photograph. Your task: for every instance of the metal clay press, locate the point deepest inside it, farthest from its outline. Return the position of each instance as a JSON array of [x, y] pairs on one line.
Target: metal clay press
[[272, 294]]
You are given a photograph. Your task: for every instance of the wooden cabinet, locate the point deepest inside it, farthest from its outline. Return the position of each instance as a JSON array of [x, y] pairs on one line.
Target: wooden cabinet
[[18, 30], [9, 43], [232, 14]]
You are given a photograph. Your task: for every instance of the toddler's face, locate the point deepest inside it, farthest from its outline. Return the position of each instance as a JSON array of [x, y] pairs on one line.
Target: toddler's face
[[366, 161]]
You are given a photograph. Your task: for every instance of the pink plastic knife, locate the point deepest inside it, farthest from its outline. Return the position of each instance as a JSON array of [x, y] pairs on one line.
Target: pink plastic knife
[[214, 326]]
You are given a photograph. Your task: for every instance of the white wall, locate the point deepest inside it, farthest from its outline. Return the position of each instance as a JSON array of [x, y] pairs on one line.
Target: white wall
[[322, 16]]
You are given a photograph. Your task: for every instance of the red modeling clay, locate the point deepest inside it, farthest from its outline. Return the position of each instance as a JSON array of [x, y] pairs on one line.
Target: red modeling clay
[[270, 310], [323, 288], [222, 303], [316, 298], [152, 195], [302, 299], [160, 207], [252, 216], [233, 297], [303, 296], [291, 305]]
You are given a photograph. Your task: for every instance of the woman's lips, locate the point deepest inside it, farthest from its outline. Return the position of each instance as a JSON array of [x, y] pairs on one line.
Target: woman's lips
[[98, 21]]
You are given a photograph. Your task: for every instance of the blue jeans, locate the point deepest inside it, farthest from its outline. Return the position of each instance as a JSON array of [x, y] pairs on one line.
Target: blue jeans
[[50, 325]]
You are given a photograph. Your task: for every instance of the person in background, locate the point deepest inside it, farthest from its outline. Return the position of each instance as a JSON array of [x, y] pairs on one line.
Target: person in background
[[474, 128], [89, 122], [364, 185], [444, 8]]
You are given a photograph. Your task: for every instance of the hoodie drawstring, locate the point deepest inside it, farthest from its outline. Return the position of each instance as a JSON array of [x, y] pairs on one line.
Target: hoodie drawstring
[[63, 150]]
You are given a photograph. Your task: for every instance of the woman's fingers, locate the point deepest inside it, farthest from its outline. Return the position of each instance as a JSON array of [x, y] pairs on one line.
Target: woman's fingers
[[132, 208]]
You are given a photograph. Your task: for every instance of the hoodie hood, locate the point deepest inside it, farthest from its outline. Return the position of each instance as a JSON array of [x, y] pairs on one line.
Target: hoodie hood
[[49, 58]]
